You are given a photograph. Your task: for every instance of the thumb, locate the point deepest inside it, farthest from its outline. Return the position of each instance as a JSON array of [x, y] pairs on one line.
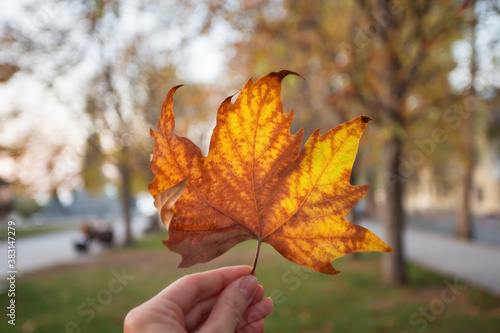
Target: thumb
[[231, 305]]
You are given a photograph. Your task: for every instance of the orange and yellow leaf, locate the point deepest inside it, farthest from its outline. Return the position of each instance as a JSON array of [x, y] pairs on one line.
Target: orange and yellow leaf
[[256, 183]]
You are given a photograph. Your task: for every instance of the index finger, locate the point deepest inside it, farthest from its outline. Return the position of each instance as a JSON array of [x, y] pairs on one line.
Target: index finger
[[192, 289]]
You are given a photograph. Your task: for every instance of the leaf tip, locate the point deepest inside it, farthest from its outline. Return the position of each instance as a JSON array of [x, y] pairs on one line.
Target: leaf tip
[[282, 74], [171, 92], [170, 96], [366, 119], [176, 87]]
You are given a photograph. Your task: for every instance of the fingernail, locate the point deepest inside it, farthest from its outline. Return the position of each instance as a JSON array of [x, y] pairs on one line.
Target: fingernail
[[248, 286]]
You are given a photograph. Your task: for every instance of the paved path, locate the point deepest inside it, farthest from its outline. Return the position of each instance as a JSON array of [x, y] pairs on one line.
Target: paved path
[[475, 263], [46, 250], [484, 229]]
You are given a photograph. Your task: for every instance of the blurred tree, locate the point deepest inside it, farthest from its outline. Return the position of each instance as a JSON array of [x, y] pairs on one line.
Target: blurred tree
[[479, 97], [123, 55], [7, 71], [466, 145], [124, 100], [387, 59], [409, 58], [26, 206]]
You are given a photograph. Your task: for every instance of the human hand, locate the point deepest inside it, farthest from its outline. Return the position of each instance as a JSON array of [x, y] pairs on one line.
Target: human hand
[[223, 300]]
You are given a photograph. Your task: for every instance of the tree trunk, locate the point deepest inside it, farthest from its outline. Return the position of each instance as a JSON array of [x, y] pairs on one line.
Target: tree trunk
[[371, 206], [464, 218], [353, 215], [125, 195], [393, 263]]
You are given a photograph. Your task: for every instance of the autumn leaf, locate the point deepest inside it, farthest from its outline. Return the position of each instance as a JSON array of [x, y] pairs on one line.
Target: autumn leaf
[[256, 183]]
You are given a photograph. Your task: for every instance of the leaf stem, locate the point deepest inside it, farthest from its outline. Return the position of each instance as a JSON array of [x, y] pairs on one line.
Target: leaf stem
[[256, 257]]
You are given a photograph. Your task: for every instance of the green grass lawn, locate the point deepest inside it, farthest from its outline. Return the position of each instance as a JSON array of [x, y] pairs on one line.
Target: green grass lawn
[[62, 299]]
